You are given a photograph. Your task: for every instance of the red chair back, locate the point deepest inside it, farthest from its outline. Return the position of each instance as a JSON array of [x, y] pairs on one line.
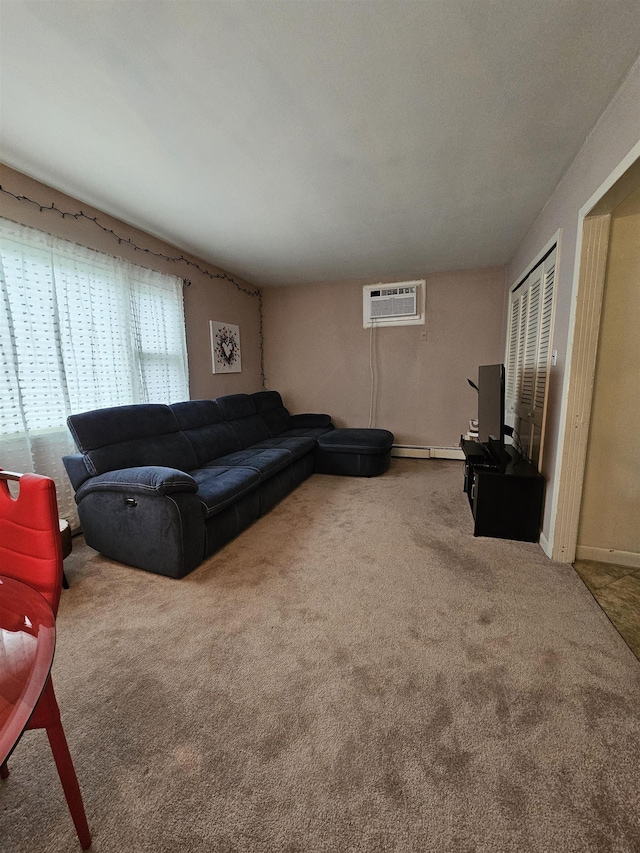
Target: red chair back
[[30, 543]]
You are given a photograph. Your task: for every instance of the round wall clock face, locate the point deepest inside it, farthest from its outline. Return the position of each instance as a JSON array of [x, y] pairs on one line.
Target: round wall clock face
[[227, 347]]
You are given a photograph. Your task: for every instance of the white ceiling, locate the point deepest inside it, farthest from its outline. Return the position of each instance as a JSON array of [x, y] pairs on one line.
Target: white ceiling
[[293, 142]]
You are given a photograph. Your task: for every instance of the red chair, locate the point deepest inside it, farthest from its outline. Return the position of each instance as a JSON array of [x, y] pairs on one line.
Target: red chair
[[31, 552]]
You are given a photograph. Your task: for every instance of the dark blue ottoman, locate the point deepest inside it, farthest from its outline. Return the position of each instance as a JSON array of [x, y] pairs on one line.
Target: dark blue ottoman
[[354, 452]]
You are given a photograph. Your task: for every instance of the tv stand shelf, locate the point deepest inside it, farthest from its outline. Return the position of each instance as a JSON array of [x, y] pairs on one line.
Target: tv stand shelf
[[506, 500]]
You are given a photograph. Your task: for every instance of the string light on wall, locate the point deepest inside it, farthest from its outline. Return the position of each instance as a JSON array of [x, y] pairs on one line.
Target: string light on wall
[[178, 259]]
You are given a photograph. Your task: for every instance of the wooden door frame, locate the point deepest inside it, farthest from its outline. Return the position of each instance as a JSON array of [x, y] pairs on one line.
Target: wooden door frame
[[589, 275]]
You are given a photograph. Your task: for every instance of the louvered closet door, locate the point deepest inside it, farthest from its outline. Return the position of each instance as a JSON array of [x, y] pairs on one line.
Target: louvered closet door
[[528, 356]]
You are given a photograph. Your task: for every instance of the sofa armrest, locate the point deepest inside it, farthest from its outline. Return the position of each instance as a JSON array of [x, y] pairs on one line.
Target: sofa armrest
[[76, 469], [147, 480], [309, 421]]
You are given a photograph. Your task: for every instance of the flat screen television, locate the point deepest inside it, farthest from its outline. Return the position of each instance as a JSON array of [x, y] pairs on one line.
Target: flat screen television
[[491, 411]]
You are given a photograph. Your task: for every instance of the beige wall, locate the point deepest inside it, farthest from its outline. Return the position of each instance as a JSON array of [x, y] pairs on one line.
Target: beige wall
[[204, 300], [611, 498], [317, 354], [610, 141]]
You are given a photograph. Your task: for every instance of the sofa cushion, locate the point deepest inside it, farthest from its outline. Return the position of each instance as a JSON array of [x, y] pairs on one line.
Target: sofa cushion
[[310, 421], [131, 437], [265, 461], [266, 400], [306, 432], [222, 486], [204, 425], [367, 441], [273, 413], [296, 446], [236, 406], [239, 411], [195, 414]]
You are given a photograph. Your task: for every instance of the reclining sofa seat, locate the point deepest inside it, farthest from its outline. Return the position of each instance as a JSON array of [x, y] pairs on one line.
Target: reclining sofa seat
[[162, 487]]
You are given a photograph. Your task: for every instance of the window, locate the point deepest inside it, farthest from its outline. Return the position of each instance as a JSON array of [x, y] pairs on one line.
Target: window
[[79, 330]]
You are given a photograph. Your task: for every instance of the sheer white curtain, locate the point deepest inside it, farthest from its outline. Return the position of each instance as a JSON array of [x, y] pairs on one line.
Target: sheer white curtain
[[79, 330]]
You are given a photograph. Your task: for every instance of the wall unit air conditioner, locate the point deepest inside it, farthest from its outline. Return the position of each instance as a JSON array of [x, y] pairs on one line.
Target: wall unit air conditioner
[[400, 303]]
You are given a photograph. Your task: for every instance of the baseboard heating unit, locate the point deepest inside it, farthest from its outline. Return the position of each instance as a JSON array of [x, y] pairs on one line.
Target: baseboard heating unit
[[416, 451]]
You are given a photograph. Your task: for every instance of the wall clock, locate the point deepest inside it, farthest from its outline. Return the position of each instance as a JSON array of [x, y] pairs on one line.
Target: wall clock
[[225, 347]]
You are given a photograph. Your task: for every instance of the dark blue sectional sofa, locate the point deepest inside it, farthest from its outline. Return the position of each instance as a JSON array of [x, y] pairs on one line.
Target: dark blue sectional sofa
[[163, 487]]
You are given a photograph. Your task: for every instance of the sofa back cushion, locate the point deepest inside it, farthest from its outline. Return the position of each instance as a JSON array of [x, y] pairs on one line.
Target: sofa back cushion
[[204, 425], [130, 437], [239, 411], [273, 413]]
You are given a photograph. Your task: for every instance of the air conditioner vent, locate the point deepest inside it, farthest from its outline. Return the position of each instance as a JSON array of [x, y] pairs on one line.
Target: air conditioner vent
[[397, 304], [393, 302]]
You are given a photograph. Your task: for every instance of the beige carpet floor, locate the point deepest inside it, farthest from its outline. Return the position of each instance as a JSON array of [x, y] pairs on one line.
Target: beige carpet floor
[[355, 672]]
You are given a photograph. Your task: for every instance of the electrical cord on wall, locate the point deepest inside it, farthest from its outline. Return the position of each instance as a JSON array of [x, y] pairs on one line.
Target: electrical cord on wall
[[372, 376]]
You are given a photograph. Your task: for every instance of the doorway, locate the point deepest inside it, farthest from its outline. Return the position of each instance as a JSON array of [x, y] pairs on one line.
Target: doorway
[[608, 537]]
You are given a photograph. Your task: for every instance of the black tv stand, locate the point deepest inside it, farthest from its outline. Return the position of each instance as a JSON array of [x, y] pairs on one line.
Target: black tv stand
[[505, 499]]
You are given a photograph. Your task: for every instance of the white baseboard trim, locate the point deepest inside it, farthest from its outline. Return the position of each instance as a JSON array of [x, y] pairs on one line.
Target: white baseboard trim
[[608, 555], [545, 545], [415, 451]]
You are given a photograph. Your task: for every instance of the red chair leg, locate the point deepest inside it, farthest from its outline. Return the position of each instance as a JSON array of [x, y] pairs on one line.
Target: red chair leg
[[47, 716], [4, 771], [69, 780]]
